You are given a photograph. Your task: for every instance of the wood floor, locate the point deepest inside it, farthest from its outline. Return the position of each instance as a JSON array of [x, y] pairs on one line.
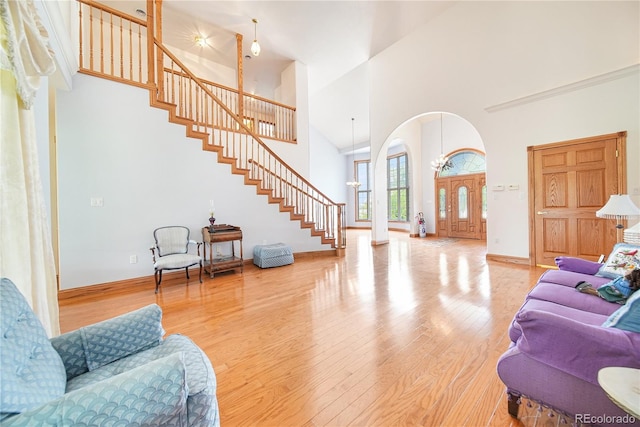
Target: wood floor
[[404, 334]]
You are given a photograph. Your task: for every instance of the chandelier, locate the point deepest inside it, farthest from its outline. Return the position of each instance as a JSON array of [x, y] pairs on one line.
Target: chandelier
[[354, 184], [441, 162]]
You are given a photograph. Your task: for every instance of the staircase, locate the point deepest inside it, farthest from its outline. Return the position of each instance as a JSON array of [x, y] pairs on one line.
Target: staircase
[[121, 47]]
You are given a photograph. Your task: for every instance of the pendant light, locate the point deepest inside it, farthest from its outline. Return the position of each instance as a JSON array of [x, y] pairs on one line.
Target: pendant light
[[442, 162], [355, 184], [255, 46]]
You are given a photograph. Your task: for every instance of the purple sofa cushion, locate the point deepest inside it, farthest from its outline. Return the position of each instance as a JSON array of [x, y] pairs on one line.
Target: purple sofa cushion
[[594, 319], [570, 278], [577, 265], [575, 347], [571, 297]]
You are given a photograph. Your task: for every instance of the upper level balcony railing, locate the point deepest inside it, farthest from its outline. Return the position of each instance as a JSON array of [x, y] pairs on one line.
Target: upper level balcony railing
[[113, 45]]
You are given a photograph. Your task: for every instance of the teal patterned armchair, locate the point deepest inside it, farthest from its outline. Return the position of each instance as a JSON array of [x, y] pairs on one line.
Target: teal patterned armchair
[[117, 372]]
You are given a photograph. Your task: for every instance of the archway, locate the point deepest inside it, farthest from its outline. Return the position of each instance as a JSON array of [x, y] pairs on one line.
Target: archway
[[425, 139]]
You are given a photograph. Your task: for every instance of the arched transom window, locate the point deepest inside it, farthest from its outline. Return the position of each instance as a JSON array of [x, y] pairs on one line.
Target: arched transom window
[[463, 163]]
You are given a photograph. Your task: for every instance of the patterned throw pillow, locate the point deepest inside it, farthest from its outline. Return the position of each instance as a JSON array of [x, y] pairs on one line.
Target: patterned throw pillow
[[626, 317], [621, 261]]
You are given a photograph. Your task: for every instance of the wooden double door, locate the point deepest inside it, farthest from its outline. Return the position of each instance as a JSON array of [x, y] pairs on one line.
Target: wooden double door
[[568, 182], [460, 202]]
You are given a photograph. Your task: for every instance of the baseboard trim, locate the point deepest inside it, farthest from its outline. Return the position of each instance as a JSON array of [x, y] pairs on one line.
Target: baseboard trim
[[117, 286], [149, 281], [507, 259], [314, 254]]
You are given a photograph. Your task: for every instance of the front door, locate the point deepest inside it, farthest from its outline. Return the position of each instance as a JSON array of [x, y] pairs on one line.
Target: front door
[[571, 181], [459, 210]]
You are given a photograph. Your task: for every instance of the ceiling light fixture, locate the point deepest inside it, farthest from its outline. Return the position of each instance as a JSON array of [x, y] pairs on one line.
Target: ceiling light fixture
[[201, 41], [442, 162], [255, 46], [355, 184]]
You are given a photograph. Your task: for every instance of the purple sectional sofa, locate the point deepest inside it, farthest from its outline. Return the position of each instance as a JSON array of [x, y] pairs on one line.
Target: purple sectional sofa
[[559, 344]]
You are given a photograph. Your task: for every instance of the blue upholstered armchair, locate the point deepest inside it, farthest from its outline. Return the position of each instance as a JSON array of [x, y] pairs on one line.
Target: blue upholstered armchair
[[117, 372]]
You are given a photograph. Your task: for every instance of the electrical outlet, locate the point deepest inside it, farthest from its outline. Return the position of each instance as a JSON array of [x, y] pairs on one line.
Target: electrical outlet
[[97, 202], [133, 259]]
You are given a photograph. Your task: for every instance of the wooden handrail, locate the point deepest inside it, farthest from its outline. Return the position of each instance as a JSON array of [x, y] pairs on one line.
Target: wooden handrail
[[244, 127], [115, 12], [211, 111], [241, 149], [115, 47], [230, 89]]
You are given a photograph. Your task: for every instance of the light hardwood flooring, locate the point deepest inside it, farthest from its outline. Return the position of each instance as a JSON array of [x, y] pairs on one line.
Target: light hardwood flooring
[[404, 334]]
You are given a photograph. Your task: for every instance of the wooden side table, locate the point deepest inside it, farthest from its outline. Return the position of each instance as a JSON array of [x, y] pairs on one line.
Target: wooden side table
[[222, 233], [622, 386]]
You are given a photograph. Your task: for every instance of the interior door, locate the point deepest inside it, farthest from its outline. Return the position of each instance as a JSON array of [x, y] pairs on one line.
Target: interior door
[[571, 181]]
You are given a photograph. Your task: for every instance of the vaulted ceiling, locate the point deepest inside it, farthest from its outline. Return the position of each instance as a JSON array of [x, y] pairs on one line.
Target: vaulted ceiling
[[333, 39]]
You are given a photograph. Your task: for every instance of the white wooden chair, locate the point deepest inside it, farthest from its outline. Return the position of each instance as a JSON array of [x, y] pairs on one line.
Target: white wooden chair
[[171, 251]]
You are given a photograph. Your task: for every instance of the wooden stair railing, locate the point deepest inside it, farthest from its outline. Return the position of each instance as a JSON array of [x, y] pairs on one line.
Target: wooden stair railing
[[113, 46], [197, 105], [190, 102]]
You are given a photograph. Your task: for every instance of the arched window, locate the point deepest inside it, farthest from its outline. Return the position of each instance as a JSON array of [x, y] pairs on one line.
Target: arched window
[[463, 163]]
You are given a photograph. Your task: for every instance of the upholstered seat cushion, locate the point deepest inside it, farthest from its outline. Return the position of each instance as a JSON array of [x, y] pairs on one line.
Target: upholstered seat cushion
[[31, 371], [585, 317], [571, 297], [176, 261], [571, 279]]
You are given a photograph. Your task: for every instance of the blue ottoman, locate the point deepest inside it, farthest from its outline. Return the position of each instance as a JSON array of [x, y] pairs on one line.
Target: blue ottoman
[[276, 255]]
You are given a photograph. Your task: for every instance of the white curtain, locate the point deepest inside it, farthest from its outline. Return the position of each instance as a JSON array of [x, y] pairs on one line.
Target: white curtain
[[26, 254]]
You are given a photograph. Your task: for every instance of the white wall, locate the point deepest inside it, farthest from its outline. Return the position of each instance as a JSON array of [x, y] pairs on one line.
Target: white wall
[[479, 54], [328, 179], [112, 145], [206, 69]]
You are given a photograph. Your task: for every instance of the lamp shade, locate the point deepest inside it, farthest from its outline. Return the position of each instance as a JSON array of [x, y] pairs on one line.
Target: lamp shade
[[619, 206]]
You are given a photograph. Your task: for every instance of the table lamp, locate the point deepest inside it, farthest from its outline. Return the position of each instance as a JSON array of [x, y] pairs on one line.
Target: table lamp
[[619, 207]]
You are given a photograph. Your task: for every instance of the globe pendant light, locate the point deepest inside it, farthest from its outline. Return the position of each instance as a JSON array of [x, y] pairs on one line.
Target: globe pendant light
[[255, 46]]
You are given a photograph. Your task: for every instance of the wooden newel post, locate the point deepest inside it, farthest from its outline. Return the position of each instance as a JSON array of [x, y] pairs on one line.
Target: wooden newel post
[[150, 48], [240, 78], [159, 55]]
